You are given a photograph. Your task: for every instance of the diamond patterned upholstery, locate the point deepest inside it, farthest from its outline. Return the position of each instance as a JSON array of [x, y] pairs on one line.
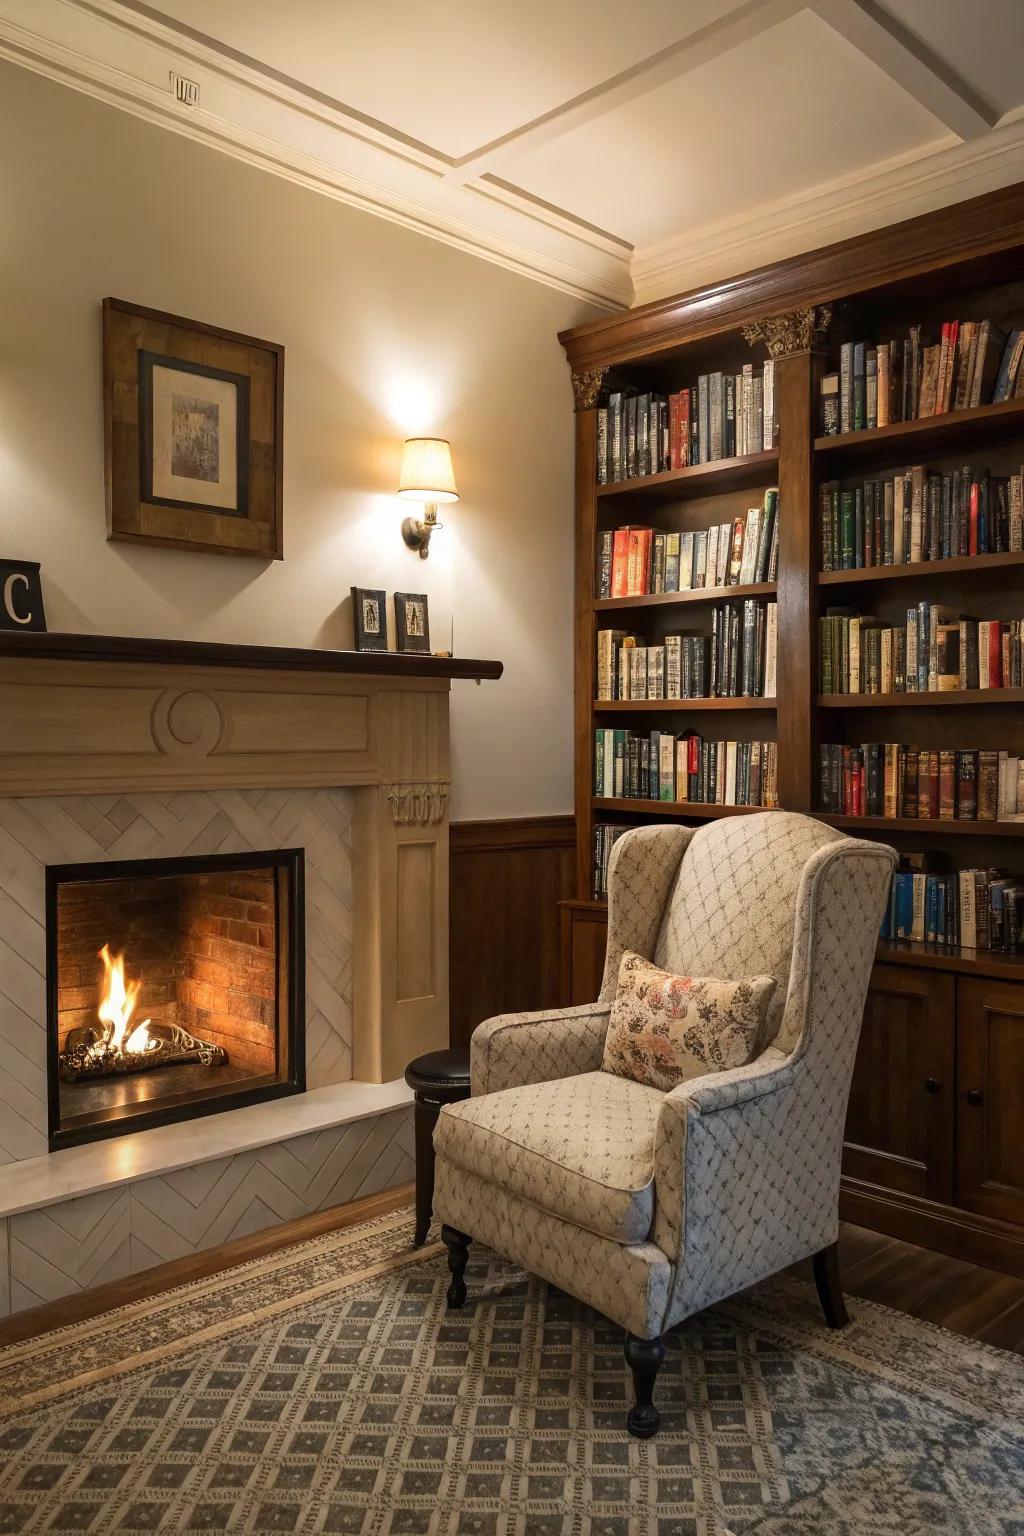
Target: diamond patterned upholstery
[[746, 1162], [588, 1154]]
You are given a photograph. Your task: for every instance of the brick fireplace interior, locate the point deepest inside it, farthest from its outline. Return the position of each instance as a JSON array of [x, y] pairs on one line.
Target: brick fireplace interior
[[175, 989]]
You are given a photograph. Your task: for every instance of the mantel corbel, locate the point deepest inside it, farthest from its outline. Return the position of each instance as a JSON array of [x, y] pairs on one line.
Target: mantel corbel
[[798, 330], [418, 802]]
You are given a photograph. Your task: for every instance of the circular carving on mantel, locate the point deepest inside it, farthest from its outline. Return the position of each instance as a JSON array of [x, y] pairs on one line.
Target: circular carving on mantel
[[188, 724]]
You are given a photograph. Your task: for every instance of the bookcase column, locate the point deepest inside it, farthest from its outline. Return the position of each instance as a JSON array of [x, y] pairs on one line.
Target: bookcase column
[[587, 384], [795, 377]]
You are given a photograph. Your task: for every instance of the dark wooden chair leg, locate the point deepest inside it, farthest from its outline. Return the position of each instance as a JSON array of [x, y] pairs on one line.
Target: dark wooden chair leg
[[644, 1358], [424, 1120], [830, 1289], [458, 1257]]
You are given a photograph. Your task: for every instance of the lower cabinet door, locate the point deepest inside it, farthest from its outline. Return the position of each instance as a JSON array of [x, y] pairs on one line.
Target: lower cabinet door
[[990, 1110], [900, 1123]]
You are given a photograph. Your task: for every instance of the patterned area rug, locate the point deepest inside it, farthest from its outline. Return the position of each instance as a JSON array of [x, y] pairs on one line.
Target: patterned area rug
[[326, 1388]]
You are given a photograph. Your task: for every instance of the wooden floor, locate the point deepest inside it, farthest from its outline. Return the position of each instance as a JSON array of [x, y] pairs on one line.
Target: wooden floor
[[981, 1303]]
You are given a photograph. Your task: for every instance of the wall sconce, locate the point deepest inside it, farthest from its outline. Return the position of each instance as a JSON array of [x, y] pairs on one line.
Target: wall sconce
[[427, 476]]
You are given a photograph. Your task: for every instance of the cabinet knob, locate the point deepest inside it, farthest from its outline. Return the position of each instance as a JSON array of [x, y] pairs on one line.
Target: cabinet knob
[[975, 1096], [933, 1085]]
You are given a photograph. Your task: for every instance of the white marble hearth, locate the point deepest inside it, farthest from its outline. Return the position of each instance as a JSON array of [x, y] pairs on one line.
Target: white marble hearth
[[136, 751]]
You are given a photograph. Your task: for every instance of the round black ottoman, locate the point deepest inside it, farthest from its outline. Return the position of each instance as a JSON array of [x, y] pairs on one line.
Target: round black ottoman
[[438, 1078]]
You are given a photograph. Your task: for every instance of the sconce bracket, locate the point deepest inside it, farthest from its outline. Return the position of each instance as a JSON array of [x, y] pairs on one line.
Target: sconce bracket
[[416, 533]]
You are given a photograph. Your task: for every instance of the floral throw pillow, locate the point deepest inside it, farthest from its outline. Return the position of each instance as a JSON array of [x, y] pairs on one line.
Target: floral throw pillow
[[665, 1029]]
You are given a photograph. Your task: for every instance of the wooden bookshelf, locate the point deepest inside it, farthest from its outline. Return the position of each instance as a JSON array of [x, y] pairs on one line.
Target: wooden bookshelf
[[938, 571], [753, 469], [697, 595], [677, 706], [685, 810], [929, 1005], [959, 697]]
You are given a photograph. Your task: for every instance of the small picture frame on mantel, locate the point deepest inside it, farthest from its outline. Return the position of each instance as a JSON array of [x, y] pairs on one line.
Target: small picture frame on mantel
[[370, 618], [412, 622]]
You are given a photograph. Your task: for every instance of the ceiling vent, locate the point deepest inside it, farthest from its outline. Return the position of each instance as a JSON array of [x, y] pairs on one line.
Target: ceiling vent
[[185, 91]]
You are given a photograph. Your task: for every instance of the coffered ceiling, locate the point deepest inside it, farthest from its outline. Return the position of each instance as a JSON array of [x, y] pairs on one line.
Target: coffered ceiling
[[617, 151]]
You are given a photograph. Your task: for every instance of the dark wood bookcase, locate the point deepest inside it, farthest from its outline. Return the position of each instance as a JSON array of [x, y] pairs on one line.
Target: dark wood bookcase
[[935, 1133]]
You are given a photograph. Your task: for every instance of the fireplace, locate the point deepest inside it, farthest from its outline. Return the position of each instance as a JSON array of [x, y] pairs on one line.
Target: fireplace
[[174, 989]]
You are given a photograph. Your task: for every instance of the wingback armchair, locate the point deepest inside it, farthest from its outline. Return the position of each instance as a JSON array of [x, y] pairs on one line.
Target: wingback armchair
[[651, 1206]]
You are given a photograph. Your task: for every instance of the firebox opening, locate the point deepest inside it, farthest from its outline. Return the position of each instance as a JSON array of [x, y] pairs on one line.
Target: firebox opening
[[174, 989]]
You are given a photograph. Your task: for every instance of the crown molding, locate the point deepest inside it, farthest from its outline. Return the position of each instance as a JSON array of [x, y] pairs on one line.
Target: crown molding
[[898, 190], [312, 142]]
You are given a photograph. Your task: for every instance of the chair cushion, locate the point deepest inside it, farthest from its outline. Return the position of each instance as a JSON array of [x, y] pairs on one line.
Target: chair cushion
[[666, 1029], [581, 1148]]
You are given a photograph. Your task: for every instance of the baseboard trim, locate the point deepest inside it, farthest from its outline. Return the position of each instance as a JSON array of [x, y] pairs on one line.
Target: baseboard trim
[[512, 832], [83, 1305], [943, 1228]]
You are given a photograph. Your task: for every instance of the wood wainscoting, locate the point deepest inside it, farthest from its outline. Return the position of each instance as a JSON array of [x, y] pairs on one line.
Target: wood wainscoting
[[507, 878]]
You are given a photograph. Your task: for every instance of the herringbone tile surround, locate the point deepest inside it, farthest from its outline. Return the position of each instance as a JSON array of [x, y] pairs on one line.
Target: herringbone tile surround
[[52, 1252]]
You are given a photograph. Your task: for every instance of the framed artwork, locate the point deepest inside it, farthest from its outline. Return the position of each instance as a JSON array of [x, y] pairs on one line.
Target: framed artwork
[[370, 618], [412, 623], [194, 422]]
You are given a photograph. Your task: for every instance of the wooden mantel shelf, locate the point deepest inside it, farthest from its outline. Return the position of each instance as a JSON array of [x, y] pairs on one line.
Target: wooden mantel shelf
[[206, 653]]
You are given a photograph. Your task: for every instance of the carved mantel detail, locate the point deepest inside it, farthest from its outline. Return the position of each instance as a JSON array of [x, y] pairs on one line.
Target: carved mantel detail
[[586, 386], [799, 330], [418, 802]]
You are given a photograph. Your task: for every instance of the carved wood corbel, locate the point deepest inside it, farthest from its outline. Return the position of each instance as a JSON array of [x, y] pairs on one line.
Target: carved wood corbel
[[587, 384], [799, 330]]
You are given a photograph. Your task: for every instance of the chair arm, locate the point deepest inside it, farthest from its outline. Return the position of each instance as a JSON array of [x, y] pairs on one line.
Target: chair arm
[[518, 1048], [703, 1110]]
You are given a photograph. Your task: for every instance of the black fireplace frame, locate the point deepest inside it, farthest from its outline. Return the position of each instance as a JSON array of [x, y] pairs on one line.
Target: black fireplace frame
[[292, 929]]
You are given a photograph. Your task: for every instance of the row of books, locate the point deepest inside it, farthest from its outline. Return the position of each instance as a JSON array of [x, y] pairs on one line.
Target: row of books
[[684, 769], [975, 908], [917, 516], [968, 363], [935, 651], [636, 560], [738, 659], [606, 835], [722, 416], [887, 778]]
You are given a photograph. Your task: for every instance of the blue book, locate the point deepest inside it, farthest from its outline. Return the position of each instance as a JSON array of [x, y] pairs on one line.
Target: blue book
[[903, 903]]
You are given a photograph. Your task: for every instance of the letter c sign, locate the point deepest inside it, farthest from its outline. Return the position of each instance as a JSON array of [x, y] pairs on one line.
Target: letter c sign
[[21, 596]]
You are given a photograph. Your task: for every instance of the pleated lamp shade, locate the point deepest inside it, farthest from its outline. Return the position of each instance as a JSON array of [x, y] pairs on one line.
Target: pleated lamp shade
[[427, 473]]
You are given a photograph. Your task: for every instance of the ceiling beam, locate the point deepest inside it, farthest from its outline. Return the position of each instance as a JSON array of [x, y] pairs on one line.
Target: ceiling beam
[[910, 63], [738, 26]]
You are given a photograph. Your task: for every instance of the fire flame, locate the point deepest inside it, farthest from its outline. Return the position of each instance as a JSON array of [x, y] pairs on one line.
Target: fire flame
[[117, 1006]]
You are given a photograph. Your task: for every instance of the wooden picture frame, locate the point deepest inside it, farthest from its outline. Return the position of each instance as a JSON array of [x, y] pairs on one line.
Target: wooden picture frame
[[412, 622], [194, 425], [370, 618]]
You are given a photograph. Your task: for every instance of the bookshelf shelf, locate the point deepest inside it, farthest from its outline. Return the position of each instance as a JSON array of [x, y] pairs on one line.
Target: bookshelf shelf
[[677, 706], [913, 439], [698, 595], [952, 957], [698, 479], [678, 809], [924, 824], [959, 697], [932, 570]]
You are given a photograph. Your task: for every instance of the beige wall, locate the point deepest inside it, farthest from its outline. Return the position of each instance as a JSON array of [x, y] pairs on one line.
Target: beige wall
[[387, 333]]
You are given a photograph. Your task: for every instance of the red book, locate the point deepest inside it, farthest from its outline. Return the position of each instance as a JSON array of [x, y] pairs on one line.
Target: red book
[[693, 755], [972, 535], [684, 418], [620, 553], [995, 655], [675, 451]]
